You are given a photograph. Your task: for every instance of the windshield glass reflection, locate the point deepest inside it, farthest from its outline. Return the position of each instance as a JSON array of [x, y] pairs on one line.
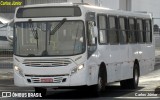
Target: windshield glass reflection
[[38, 39]]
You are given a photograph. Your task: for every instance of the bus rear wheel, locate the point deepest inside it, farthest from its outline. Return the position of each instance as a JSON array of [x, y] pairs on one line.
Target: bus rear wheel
[[133, 82], [43, 91]]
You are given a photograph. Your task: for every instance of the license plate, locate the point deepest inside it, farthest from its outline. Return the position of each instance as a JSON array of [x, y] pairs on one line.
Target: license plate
[[46, 80]]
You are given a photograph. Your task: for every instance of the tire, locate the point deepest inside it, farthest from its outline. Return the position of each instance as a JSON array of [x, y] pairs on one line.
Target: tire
[[133, 82], [43, 91], [100, 87]]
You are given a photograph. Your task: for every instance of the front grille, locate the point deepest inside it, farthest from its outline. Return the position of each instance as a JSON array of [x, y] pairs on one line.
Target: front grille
[[46, 62], [37, 78]]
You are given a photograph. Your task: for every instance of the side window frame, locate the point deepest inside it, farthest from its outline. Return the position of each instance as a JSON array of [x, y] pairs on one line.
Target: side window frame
[[116, 29], [144, 30], [138, 31], [106, 29], [125, 29], [150, 31], [134, 30]]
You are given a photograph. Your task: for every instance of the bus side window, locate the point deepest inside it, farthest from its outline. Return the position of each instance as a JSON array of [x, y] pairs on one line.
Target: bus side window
[[113, 36], [102, 29], [91, 38], [92, 46], [122, 30], [140, 30], [131, 32], [147, 28]]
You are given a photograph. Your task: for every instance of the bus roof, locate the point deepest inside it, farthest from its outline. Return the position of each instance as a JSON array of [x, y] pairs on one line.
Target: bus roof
[[103, 10], [97, 9]]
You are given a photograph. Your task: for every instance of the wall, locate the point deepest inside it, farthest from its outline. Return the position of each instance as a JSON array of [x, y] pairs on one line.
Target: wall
[[113, 4], [152, 6], [91, 2]]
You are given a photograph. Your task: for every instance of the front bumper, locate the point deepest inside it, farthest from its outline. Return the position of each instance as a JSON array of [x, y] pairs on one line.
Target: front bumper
[[77, 79]]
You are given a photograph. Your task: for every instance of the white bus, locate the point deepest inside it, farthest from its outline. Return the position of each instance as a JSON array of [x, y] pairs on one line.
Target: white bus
[[70, 45]]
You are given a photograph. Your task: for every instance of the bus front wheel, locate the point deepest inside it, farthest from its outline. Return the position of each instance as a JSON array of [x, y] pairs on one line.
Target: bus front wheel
[[101, 84]]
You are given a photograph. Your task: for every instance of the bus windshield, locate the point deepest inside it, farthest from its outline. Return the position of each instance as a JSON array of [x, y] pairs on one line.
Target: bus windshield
[[49, 38]]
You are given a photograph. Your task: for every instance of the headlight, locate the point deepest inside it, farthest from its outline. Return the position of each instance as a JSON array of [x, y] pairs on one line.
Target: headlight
[[74, 70], [18, 70], [80, 67]]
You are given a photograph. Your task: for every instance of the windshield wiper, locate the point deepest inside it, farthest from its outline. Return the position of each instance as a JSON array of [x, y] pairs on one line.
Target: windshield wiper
[[34, 31], [57, 27]]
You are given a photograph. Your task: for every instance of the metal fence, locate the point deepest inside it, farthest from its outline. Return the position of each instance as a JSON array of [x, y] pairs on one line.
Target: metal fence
[[156, 30], [6, 49]]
